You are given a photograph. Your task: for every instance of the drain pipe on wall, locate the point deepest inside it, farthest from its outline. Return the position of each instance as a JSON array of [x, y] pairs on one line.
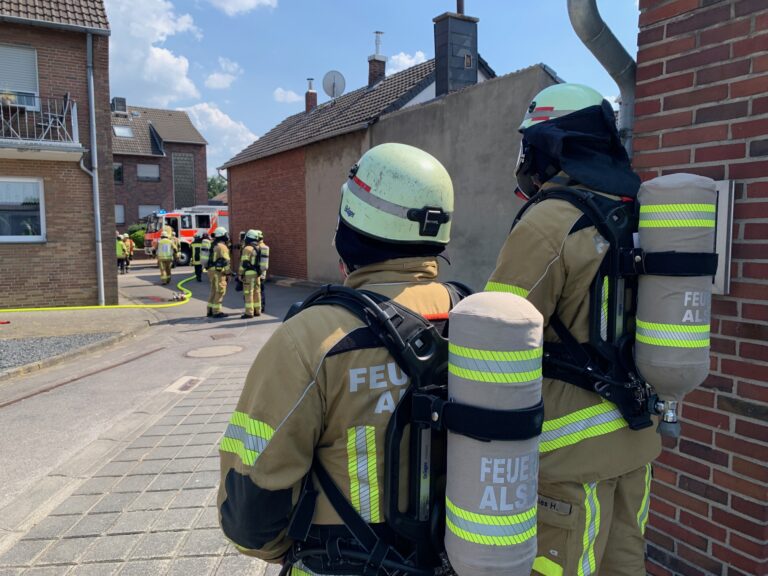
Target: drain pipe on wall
[[94, 173], [595, 34]]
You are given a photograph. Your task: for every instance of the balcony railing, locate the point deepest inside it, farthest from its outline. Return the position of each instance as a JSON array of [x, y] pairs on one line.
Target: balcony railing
[[38, 120]]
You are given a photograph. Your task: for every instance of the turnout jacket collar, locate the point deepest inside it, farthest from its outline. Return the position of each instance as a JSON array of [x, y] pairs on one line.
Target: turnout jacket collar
[[410, 270]]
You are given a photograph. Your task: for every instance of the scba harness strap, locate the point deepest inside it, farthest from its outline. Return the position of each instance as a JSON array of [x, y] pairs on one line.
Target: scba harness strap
[[421, 351]]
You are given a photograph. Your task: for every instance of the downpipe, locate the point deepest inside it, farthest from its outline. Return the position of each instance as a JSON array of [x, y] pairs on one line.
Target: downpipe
[[598, 38]]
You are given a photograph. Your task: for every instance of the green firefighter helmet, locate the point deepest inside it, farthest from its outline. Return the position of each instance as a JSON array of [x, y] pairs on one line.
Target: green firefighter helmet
[[255, 235], [220, 232], [399, 193], [559, 100]]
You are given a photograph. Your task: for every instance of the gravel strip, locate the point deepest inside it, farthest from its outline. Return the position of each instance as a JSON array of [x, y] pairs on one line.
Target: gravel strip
[[19, 351]]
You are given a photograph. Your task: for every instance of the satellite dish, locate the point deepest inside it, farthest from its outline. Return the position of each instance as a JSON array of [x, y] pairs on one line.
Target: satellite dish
[[334, 84]]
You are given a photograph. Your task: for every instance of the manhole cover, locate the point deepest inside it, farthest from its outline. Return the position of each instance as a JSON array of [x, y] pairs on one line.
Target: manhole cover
[[213, 351]]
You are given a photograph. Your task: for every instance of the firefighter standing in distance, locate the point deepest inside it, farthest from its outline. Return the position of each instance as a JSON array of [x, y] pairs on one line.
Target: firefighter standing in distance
[[218, 272], [130, 250], [166, 254], [196, 246], [250, 273], [595, 471], [121, 251], [315, 390], [263, 267]]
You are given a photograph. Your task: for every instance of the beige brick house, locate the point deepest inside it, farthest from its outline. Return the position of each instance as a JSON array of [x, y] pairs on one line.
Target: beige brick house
[[50, 50]]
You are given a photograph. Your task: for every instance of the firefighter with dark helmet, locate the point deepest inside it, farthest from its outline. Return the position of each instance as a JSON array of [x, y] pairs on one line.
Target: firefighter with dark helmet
[[318, 388], [218, 272], [595, 465]]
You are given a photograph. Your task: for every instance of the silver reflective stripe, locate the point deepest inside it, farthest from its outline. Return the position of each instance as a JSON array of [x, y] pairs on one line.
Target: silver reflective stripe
[[548, 113], [379, 203], [491, 529], [604, 309], [580, 426], [362, 473], [587, 565], [501, 367], [250, 442], [682, 215]]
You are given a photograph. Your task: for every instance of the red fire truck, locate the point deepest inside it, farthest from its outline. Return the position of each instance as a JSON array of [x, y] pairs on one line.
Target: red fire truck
[[186, 222]]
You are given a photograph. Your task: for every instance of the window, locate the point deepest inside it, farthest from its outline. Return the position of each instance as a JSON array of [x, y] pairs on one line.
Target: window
[[149, 172], [119, 214], [22, 210], [147, 209], [117, 167], [18, 75], [123, 131], [186, 221], [203, 221]]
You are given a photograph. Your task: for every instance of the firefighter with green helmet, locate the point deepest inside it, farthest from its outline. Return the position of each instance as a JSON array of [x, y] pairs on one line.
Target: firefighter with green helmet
[[254, 260], [218, 272], [318, 391], [166, 255], [595, 452]]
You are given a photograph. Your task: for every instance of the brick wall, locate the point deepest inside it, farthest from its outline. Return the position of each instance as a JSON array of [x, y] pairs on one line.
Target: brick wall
[[36, 274], [133, 192], [702, 107], [268, 194]]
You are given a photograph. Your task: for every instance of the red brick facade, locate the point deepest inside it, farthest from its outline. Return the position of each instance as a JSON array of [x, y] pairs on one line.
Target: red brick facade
[[702, 107], [62, 271], [276, 182], [132, 192]]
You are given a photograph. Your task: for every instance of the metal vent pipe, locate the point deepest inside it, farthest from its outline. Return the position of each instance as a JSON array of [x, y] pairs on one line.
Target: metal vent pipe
[[595, 34]]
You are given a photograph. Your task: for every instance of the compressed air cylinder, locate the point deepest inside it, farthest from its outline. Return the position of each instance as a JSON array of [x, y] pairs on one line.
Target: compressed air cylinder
[[677, 214], [495, 357]]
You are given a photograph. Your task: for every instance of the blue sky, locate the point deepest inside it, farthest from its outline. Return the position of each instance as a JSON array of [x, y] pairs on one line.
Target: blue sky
[[240, 66]]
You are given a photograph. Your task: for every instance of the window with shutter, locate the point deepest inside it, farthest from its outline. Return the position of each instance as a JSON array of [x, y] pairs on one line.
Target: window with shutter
[[18, 74]]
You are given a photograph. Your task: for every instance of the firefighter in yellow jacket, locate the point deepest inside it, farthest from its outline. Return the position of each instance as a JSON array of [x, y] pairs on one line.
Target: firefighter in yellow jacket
[[595, 471], [166, 254], [316, 389], [218, 272], [254, 261]]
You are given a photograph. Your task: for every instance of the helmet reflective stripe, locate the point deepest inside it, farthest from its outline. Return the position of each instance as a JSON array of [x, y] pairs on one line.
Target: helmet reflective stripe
[[559, 100], [363, 192]]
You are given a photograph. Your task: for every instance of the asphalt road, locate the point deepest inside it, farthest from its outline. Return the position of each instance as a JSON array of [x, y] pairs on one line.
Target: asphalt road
[[51, 419]]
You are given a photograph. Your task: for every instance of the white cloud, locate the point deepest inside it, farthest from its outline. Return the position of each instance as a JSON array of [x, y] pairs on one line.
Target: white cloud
[[228, 72], [234, 7], [226, 136], [141, 69], [285, 96], [401, 61]]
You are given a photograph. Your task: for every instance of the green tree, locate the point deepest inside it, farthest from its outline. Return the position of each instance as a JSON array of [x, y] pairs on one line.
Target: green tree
[[216, 185]]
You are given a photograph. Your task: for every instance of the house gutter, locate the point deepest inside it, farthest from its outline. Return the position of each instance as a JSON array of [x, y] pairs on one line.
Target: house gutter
[[595, 34], [94, 173], [55, 25]]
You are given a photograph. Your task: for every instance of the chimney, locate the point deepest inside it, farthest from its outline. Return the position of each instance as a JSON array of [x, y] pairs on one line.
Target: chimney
[[377, 64], [455, 51], [310, 98]]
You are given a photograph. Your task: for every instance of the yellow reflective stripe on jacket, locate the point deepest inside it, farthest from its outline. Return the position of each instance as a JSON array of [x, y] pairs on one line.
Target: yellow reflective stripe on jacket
[[572, 428], [587, 564], [672, 335], [547, 567], [490, 530], [678, 216], [642, 514], [246, 437], [500, 366], [501, 287], [363, 477]]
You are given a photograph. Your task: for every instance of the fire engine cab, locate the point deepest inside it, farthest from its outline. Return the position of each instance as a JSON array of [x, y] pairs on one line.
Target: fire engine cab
[[185, 222]]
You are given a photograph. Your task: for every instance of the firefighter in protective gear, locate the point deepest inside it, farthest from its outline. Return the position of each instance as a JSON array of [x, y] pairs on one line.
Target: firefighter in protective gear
[[595, 472], [250, 272], [196, 246], [130, 246], [218, 272], [166, 253], [316, 389], [122, 254]]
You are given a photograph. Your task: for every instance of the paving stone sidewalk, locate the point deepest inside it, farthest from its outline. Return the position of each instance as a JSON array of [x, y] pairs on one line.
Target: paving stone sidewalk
[[151, 509]]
